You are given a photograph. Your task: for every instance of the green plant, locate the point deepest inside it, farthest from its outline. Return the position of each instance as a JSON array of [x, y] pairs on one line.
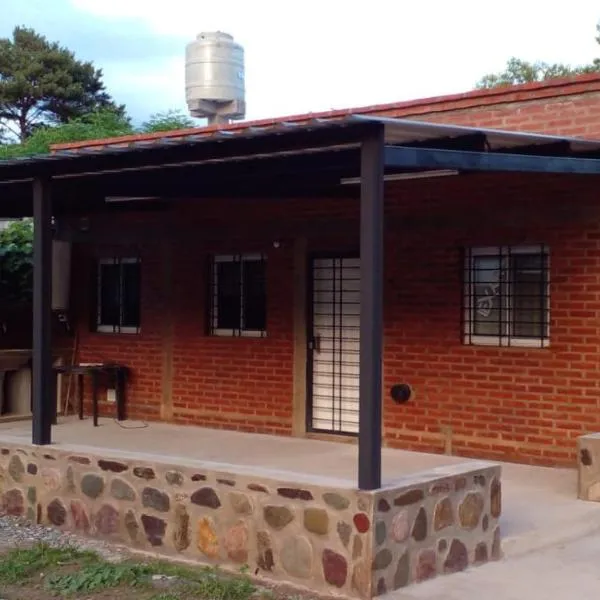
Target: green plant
[[21, 564], [16, 262], [213, 585], [167, 121], [98, 577], [207, 582]]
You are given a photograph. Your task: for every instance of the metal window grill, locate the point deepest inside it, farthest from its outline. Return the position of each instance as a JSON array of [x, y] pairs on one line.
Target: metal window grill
[[118, 307], [238, 299], [335, 345], [507, 299]]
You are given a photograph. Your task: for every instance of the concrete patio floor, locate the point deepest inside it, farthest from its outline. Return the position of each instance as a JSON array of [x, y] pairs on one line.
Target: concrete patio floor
[[540, 506]]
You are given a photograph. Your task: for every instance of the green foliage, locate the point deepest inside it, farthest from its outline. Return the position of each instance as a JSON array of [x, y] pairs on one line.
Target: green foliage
[[99, 576], [522, 71], [206, 582], [70, 572], [96, 125], [215, 586], [22, 564], [41, 82], [167, 121], [16, 262]]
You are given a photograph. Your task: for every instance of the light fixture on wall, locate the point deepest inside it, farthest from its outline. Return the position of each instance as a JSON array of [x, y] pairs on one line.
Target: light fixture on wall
[[404, 176]]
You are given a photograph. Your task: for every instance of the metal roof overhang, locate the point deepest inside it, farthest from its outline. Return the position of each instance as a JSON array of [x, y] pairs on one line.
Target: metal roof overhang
[[293, 158]]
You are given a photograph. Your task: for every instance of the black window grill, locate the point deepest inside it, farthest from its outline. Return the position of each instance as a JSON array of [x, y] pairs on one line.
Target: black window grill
[[118, 295], [507, 299], [238, 298]]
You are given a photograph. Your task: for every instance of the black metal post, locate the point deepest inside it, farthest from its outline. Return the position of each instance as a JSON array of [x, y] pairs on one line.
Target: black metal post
[[371, 309], [42, 386]]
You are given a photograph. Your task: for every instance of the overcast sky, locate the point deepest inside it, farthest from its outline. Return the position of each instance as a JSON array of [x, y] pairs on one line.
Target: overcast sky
[[311, 55]]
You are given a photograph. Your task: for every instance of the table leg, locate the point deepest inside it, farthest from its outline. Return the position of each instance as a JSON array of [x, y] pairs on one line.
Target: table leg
[[80, 394], [95, 397], [120, 391], [54, 391]]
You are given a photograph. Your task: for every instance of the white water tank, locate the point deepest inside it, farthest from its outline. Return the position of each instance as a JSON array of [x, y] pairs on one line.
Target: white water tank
[[214, 77]]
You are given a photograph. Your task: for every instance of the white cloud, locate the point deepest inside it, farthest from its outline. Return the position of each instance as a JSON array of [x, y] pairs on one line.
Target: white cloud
[[315, 55]]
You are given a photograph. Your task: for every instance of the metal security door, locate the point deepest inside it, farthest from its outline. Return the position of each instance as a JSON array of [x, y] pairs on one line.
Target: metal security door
[[334, 344]]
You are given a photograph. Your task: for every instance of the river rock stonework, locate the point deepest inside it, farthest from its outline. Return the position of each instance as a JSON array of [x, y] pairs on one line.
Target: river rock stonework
[[434, 527], [334, 540]]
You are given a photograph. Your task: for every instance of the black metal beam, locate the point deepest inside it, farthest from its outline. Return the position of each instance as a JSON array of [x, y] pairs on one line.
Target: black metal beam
[[471, 141], [561, 148], [43, 403], [192, 150], [371, 309], [425, 158]]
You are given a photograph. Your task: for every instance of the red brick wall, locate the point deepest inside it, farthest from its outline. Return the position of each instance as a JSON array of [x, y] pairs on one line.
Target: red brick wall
[[141, 353], [507, 403], [524, 404], [574, 116], [571, 111]]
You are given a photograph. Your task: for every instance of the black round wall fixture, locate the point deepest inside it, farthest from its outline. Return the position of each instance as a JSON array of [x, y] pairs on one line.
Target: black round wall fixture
[[401, 393]]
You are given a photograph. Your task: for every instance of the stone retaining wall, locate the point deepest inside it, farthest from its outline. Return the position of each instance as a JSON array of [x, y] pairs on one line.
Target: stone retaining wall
[[329, 538], [434, 523]]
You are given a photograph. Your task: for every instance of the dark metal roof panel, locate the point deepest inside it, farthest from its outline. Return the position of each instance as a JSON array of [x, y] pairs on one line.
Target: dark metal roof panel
[[403, 132]]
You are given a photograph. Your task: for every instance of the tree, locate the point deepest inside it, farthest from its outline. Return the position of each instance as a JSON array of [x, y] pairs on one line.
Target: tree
[[16, 262], [100, 124], [522, 71], [43, 83], [167, 121]]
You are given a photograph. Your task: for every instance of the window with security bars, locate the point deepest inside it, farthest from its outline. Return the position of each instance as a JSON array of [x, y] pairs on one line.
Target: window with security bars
[[238, 295], [507, 296], [118, 295]]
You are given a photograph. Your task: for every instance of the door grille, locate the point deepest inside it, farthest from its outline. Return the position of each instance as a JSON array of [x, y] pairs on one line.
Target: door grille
[[335, 345]]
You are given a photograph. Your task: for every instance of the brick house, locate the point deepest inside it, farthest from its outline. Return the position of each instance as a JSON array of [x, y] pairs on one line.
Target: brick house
[[238, 307]]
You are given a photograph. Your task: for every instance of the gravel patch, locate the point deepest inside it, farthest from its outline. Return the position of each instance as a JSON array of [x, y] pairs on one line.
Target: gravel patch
[[20, 533]]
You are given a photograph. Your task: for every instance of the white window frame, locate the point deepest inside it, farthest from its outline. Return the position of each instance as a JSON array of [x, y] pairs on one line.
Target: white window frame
[[214, 308], [102, 328], [508, 339]]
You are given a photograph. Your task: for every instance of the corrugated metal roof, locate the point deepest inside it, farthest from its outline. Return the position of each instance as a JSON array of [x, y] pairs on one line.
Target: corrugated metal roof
[[401, 132]]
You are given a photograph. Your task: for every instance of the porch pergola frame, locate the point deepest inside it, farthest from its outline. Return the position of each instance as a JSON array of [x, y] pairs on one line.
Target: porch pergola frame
[[365, 147]]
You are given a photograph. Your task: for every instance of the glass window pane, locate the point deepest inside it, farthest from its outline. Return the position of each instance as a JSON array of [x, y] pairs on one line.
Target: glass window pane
[[131, 280], [109, 294], [255, 297], [528, 284], [486, 311], [228, 292]]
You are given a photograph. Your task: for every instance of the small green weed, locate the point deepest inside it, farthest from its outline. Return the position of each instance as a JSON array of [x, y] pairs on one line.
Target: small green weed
[[208, 582], [22, 563], [213, 585], [166, 596], [97, 577]]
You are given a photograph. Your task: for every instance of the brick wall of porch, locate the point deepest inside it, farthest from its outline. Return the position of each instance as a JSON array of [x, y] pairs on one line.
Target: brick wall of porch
[[524, 404]]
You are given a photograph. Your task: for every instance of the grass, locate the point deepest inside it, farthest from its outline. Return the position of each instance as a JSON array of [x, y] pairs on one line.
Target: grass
[[101, 576], [21, 564], [69, 572]]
